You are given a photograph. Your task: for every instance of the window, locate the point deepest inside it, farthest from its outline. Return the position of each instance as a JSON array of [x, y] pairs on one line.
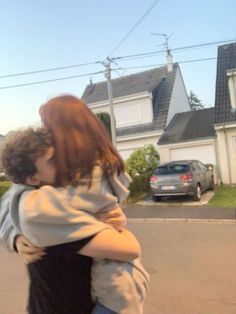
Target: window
[[172, 169], [202, 167], [232, 87], [127, 114]]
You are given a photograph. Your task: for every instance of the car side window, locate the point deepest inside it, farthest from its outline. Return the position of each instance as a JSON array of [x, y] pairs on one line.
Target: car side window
[[202, 167], [196, 166]]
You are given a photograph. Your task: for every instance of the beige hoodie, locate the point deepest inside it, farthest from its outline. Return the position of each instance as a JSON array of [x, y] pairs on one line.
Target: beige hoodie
[[50, 216]]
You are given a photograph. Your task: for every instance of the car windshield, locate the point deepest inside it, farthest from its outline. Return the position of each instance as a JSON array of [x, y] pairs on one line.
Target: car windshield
[[172, 169]]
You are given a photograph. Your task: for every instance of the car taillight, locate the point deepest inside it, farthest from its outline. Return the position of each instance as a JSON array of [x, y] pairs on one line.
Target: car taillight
[[153, 179], [186, 177]]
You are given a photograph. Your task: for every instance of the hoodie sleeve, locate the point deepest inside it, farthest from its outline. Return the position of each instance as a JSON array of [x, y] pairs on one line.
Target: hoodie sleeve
[[8, 231], [47, 217], [120, 185]]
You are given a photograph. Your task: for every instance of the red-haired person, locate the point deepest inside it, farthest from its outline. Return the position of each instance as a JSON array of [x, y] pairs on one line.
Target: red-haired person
[[90, 179]]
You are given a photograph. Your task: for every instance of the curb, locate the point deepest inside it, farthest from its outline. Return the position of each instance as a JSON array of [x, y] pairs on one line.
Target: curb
[[184, 220]]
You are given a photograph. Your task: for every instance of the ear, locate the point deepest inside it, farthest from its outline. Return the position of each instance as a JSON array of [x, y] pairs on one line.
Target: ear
[[32, 180]]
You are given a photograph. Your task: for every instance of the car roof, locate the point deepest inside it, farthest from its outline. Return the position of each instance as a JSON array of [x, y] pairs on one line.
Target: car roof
[[177, 162]]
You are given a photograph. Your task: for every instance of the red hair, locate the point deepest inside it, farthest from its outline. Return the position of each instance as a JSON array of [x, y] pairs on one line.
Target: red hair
[[80, 140]]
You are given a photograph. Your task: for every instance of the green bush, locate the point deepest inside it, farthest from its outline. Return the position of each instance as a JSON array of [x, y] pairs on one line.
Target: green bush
[[140, 166], [140, 184], [142, 161], [3, 178]]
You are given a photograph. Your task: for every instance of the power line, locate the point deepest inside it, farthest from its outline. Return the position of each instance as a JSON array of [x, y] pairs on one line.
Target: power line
[[99, 72], [163, 64], [129, 57], [148, 54], [48, 70], [197, 60], [150, 8], [52, 80]]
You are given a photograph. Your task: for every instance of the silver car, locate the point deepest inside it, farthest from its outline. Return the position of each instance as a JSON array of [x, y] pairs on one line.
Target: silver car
[[184, 177]]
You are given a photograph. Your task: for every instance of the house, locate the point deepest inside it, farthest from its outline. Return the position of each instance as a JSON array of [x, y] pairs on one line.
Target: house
[[209, 134], [190, 135], [225, 112], [144, 104]]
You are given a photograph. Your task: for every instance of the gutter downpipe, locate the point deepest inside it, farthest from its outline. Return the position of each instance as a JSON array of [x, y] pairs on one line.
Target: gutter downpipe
[[227, 155], [218, 168]]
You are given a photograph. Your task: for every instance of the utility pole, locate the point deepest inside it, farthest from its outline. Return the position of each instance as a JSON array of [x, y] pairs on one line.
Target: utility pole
[[110, 98]]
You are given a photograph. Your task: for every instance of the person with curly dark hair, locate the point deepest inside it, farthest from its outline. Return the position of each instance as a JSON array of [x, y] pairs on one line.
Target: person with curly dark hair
[[89, 177]]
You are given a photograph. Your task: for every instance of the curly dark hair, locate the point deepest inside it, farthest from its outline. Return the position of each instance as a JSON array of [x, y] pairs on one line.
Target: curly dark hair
[[21, 150]]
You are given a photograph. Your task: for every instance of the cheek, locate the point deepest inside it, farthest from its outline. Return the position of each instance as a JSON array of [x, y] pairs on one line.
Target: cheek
[[53, 173]]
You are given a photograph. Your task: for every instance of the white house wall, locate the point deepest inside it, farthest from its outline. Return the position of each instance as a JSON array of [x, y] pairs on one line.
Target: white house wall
[[179, 98], [129, 111], [227, 154], [126, 147]]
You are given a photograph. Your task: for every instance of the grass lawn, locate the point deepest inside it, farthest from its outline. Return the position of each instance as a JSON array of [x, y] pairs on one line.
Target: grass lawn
[[225, 196], [4, 185]]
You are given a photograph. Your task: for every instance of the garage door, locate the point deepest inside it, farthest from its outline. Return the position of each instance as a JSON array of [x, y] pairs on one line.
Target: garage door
[[204, 153]]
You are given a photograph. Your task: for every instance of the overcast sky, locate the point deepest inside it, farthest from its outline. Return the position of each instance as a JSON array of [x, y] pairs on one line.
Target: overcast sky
[[38, 35]]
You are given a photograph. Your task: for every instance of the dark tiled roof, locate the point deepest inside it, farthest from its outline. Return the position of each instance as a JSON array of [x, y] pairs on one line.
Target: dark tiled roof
[[226, 60], [158, 81], [124, 86], [188, 126]]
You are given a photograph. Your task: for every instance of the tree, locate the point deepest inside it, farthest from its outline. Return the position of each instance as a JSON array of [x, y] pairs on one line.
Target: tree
[[105, 119], [195, 102], [142, 161]]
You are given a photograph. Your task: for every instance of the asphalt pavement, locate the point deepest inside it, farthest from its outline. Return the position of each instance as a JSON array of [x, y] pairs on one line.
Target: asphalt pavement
[[189, 249], [179, 209], [192, 268]]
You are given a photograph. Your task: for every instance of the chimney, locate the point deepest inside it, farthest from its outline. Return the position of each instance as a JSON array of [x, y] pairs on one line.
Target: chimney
[[169, 60]]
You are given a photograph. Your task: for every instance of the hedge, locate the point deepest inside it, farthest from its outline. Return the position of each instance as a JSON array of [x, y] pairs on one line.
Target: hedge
[[140, 184]]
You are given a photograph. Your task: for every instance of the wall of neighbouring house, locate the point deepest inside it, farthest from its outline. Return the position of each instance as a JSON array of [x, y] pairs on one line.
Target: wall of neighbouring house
[[129, 111], [127, 146], [179, 98], [227, 154], [204, 150]]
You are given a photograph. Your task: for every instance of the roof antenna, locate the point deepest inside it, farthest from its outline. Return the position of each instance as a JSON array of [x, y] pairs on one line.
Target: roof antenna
[[169, 57], [165, 44]]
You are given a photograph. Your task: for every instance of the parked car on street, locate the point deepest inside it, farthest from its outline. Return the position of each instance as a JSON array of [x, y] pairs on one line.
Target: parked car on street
[[184, 177]]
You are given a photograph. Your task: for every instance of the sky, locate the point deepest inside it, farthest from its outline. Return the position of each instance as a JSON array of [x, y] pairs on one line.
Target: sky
[[39, 35]]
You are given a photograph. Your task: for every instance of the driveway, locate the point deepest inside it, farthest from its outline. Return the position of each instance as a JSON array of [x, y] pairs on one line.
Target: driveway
[[179, 209], [183, 200]]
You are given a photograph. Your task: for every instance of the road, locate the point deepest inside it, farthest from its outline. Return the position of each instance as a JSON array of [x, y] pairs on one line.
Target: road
[[192, 267]]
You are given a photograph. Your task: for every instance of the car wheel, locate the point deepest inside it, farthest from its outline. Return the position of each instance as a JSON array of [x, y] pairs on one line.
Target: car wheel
[[212, 186], [197, 193], [155, 198]]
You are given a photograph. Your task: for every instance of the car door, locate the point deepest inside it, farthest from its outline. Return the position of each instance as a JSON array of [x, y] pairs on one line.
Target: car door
[[196, 174], [204, 175]]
